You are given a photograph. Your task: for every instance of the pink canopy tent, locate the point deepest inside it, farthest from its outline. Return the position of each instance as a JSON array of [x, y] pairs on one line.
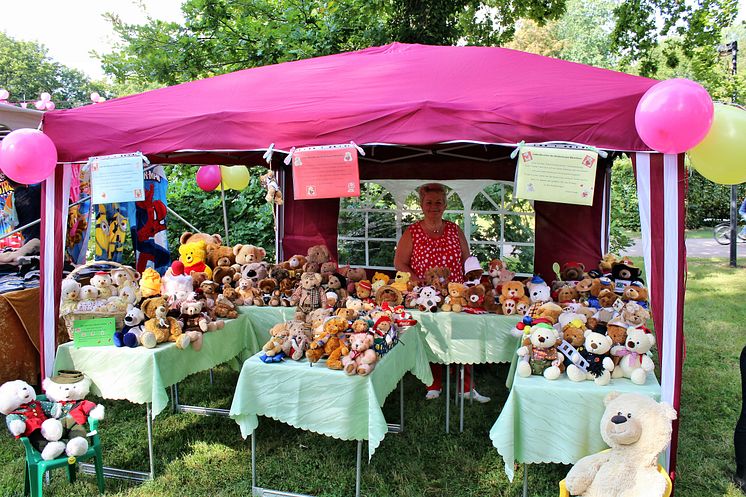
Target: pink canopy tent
[[439, 112]]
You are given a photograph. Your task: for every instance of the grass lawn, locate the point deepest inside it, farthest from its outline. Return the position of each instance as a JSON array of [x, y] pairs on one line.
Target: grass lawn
[[201, 456]]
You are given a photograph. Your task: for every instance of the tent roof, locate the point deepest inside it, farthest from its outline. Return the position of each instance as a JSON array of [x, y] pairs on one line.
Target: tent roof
[[12, 118], [395, 94]]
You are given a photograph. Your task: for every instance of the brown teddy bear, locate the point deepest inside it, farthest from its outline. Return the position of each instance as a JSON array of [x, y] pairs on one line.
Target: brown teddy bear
[[189, 237], [278, 335], [634, 314], [513, 293], [491, 302], [160, 327], [219, 255], [268, 181], [572, 271], [232, 294], [475, 296], [330, 342], [249, 293], [567, 294], [256, 271], [224, 308], [607, 297], [326, 270], [246, 254], [635, 292], [437, 277], [298, 340], [295, 263], [607, 262], [308, 296], [456, 299], [353, 275], [337, 284]]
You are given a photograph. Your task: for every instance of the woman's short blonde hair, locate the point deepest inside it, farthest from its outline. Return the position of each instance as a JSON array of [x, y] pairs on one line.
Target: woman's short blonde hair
[[431, 188]]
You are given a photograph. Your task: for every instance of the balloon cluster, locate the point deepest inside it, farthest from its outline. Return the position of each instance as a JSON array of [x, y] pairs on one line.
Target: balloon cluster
[[44, 102], [4, 95], [233, 178], [27, 156], [96, 98], [678, 116]]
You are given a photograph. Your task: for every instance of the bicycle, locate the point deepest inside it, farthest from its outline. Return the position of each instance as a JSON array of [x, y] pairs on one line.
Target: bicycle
[[722, 232]]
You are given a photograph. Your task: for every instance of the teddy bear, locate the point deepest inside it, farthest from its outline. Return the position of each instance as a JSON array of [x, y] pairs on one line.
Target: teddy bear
[[297, 341], [219, 255], [316, 318], [69, 389], [633, 314], [388, 295], [361, 358], [268, 181], [538, 290], [491, 301], [597, 347], [69, 296], [539, 353], [378, 280], [103, 283], [635, 363], [160, 327], [512, 294], [475, 299], [192, 257], [189, 237], [172, 284], [278, 334], [456, 299], [256, 271], [572, 271], [353, 275], [607, 262], [225, 276], [499, 274], [248, 292], [318, 254], [194, 322], [427, 299], [224, 308], [308, 296], [437, 277], [124, 276], [330, 342], [133, 328], [295, 263], [572, 328], [232, 294], [326, 270], [246, 254], [266, 288], [625, 270], [31, 418], [637, 429], [567, 294], [401, 281], [636, 292], [597, 285], [209, 289], [363, 290], [337, 284], [607, 298], [616, 329], [88, 293]]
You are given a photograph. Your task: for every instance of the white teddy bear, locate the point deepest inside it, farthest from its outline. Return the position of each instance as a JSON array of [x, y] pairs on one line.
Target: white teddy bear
[[635, 363], [541, 354], [596, 352], [27, 417], [637, 429], [428, 298]]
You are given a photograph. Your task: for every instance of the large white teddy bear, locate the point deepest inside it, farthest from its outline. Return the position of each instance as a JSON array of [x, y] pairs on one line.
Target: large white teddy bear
[[637, 429], [28, 417]]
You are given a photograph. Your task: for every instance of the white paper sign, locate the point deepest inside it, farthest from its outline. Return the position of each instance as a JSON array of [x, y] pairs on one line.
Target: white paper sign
[[117, 178]]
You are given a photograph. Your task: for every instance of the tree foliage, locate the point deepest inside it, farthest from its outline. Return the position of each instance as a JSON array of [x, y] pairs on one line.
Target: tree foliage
[[26, 70]]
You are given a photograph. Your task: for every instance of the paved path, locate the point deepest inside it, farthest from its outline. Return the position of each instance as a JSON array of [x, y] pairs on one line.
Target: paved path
[[696, 247]]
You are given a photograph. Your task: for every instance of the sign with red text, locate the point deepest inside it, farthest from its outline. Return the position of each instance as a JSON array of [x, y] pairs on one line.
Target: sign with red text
[[559, 175], [329, 171]]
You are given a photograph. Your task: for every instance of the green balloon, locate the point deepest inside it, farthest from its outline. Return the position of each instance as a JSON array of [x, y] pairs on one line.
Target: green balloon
[[721, 156], [235, 177]]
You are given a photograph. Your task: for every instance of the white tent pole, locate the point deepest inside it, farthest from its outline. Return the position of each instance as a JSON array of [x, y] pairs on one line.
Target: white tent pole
[[225, 211]]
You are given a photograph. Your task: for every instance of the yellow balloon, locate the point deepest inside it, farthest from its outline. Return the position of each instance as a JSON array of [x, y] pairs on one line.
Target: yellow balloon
[[721, 156], [235, 177]]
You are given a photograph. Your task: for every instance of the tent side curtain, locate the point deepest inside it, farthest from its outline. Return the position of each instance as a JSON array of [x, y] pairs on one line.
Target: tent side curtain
[[661, 185]]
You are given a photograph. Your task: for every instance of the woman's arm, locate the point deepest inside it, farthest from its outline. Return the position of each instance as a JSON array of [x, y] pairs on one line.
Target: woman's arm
[[403, 256], [464, 246]]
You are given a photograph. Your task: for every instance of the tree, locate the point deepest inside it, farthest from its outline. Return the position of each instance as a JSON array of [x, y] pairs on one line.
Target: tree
[[26, 70]]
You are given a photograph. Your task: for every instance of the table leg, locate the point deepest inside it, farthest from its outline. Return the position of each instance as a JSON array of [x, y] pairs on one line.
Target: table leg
[[211, 377], [448, 397], [401, 403], [253, 460], [126, 474], [525, 480], [471, 397], [203, 411], [461, 408], [357, 467]]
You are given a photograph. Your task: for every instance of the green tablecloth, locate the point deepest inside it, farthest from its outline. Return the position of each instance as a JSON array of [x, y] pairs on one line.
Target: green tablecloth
[[461, 338], [556, 421], [142, 375], [264, 318], [324, 401]]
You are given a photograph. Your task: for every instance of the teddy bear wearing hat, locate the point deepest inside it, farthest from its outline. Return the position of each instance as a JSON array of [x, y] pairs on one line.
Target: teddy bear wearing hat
[[68, 389]]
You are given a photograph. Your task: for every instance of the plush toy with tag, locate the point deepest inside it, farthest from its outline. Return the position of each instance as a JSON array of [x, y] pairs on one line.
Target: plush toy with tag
[[635, 363], [540, 353], [597, 348], [69, 389], [27, 417], [361, 358], [269, 183]]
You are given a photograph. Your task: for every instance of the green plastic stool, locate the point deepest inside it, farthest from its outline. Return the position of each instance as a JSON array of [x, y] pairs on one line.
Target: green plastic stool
[[36, 466]]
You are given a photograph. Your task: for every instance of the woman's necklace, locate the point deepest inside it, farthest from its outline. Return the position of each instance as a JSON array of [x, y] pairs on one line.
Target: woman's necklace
[[435, 231]]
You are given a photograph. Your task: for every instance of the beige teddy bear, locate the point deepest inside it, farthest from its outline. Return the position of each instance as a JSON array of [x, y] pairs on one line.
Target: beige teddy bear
[[637, 429]]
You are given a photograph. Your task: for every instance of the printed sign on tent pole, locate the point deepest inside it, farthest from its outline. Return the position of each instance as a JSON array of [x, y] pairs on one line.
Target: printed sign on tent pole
[[329, 171], [117, 178], [564, 175]]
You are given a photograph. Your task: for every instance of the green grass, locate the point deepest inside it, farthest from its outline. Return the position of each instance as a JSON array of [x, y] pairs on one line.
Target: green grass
[[701, 233], [201, 456]]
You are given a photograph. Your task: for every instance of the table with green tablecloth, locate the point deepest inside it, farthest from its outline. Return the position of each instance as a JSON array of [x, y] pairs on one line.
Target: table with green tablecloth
[[262, 318], [556, 421], [326, 401], [142, 375]]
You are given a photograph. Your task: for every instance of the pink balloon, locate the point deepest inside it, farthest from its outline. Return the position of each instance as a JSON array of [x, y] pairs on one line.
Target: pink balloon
[[208, 177], [4, 94], [49, 105], [674, 115], [95, 97], [40, 104], [45, 97], [27, 156]]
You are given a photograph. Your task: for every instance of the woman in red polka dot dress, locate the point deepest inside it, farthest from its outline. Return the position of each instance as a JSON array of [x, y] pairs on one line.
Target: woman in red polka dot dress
[[434, 242]]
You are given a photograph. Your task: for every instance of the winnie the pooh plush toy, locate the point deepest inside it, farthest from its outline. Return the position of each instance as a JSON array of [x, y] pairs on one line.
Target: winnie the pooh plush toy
[[637, 429], [192, 257], [69, 389]]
